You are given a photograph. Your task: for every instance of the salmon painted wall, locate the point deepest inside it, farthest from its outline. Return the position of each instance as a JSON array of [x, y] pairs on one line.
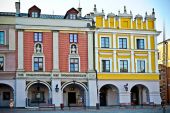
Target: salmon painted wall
[[29, 50], [64, 51]]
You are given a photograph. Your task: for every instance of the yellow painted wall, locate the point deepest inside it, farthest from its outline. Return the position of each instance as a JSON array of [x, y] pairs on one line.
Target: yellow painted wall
[[99, 21], [125, 23], [106, 23], [144, 25], [123, 76], [152, 42], [150, 24], [153, 61], [134, 24], [138, 23], [111, 22]]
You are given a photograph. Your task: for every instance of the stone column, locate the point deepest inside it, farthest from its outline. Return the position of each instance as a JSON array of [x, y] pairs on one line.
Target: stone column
[[90, 52], [55, 51]]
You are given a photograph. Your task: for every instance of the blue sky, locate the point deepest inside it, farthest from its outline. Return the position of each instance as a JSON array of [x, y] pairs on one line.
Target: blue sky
[[59, 7]]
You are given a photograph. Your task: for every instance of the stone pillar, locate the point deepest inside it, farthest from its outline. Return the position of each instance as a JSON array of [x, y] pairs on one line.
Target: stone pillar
[[124, 97], [20, 93], [56, 96], [55, 52], [93, 98], [90, 52], [20, 51]]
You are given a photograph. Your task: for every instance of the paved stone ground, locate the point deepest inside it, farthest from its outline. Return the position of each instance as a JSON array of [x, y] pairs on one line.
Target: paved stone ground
[[82, 110]]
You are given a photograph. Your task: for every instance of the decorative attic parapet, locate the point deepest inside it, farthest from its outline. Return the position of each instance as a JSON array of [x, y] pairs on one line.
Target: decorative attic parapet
[[152, 16], [125, 14]]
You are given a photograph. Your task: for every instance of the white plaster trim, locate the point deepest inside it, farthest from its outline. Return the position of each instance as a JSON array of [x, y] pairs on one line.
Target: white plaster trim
[[123, 54], [103, 22], [146, 24], [119, 22], [156, 62], [55, 51], [97, 65], [2, 55], [126, 39], [20, 50], [105, 53], [90, 51], [145, 64], [140, 38], [36, 55], [114, 22], [141, 54], [109, 41], [12, 41], [128, 64], [115, 62], [132, 41], [136, 24], [110, 64], [96, 39], [145, 50], [149, 43], [69, 62], [114, 41], [132, 61], [150, 64]]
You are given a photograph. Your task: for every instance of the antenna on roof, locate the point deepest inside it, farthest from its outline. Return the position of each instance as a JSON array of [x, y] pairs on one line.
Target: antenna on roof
[[79, 4]]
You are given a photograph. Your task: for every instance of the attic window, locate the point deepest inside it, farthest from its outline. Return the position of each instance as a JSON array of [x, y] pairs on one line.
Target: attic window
[[34, 14], [72, 16]]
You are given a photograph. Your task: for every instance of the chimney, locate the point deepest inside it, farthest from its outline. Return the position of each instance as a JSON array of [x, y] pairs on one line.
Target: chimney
[[17, 6], [79, 10]]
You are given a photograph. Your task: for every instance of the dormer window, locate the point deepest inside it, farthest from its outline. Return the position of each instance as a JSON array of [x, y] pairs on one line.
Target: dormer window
[[73, 16], [34, 14]]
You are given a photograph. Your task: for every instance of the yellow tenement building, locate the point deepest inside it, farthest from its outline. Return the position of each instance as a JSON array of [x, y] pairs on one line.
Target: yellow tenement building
[[126, 58]]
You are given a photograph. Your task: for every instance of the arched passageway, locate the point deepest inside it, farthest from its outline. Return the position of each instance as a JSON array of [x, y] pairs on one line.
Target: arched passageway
[[6, 93], [74, 94], [139, 95], [109, 95], [38, 94]]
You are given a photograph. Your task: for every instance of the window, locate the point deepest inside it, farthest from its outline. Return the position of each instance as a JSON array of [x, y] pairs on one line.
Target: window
[[74, 65], [123, 65], [122, 43], [105, 65], [105, 42], [2, 38], [34, 14], [37, 37], [72, 16], [140, 44], [73, 38], [140, 66], [1, 63], [38, 64]]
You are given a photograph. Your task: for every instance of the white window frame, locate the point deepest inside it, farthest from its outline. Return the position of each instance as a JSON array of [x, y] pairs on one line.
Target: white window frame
[[128, 59], [35, 55], [2, 55], [144, 42], [109, 41], [4, 36], [145, 65], [33, 14], [102, 65], [126, 39], [77, 56]]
